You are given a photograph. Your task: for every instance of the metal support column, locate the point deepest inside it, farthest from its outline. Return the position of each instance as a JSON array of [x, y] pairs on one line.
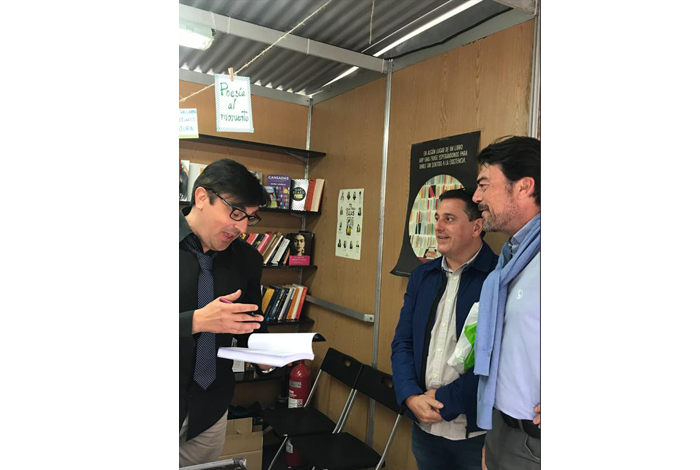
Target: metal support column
[[535, 82], [382, 210]]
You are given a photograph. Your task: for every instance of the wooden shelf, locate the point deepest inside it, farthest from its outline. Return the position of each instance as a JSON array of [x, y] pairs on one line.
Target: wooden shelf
[[300, 321], [289, 268], [244, 144], [250, 376], [288, 211]]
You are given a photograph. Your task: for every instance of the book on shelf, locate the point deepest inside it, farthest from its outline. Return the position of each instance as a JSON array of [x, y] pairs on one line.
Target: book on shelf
[[300, 188], [282, 312], [266, 296], [258, 175], [184, 176], [301, 248], [273, 199], [196, 169], [295, 309], [274, 349], [275, 307], [264, 239], [279, 252], [316, 195], [285, 259], [283, 303], [272, 246], [281, 186], [314, 192]]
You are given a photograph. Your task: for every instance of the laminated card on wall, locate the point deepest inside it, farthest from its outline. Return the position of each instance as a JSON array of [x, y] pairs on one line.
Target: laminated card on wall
[[234, 111]]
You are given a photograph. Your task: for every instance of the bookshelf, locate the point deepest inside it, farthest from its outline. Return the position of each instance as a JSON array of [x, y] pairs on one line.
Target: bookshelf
[[267, 159]]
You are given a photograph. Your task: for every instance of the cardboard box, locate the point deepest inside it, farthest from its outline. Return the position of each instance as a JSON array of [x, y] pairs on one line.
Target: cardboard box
[[253, 459], [242, 436]]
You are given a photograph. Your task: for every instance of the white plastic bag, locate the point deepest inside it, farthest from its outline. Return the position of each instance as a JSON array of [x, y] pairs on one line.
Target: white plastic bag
[[462, 358]]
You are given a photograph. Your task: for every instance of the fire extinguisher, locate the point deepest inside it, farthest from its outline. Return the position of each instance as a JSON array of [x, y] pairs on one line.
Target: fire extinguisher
[[299, 388]]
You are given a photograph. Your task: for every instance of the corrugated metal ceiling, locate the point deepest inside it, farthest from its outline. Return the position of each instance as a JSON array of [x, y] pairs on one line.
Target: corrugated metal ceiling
[[342, 23]]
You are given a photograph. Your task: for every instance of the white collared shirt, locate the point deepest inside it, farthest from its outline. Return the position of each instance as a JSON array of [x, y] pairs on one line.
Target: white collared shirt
[[443, 339]]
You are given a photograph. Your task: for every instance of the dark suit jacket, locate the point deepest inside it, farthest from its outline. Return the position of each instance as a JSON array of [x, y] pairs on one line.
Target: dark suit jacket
[[238, 267]]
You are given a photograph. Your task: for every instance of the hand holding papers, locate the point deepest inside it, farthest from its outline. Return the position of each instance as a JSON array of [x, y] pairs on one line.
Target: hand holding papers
[[275, 349]]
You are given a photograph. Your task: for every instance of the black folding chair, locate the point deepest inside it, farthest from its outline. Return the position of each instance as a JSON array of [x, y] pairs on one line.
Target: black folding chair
[[291, 422], [342, 450]]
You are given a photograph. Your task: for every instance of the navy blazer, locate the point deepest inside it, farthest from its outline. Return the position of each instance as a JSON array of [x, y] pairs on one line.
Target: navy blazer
[[412, 336]]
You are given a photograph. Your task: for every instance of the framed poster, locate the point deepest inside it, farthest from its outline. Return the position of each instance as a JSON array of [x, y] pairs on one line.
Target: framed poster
[[436, 166]]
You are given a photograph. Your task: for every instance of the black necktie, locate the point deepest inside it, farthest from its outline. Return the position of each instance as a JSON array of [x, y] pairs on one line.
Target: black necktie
[[205, 358]]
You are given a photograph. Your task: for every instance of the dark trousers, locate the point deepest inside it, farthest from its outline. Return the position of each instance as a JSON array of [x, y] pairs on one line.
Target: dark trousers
[[509, 448], [438, 453]]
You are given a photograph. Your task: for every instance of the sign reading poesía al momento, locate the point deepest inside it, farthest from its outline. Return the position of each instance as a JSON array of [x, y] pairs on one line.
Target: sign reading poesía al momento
[[234, 112]]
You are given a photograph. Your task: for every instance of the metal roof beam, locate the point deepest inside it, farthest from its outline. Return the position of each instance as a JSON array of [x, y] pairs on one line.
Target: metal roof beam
[[528, 6], [254, 32]]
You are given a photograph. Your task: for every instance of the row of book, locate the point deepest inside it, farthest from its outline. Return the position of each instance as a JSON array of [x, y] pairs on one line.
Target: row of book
[[283, 303], [306, 194], [277, 249], [297, 194]]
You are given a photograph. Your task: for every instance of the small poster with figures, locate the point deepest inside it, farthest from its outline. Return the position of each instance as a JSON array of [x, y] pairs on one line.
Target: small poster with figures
[[348, 234]]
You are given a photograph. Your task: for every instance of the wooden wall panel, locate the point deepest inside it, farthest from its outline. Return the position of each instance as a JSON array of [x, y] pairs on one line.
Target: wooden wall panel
[[275, 122], [349, 128], [482, 86]]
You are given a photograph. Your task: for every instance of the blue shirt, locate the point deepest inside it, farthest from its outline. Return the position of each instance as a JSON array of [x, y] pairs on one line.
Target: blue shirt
[[517, 275], [518, 383]]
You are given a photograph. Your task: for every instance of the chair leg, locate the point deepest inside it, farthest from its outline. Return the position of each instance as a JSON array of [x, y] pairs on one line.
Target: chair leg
[[388, 442], [278, 453]]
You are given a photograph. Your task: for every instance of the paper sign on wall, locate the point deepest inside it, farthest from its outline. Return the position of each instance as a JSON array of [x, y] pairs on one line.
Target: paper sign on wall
[[234, 112], [188, 123], [348, 232]]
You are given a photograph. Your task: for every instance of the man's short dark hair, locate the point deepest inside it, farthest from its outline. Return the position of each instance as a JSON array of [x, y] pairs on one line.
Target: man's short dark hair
[[228, 177], [518, 157], [471, 207]]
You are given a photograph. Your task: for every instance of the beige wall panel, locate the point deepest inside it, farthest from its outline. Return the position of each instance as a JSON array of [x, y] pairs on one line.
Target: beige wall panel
[[350, 129], [482, 86], [275, 122]]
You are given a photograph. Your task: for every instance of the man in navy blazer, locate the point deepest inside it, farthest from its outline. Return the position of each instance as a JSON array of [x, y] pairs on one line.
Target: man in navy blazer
[[439, 295]]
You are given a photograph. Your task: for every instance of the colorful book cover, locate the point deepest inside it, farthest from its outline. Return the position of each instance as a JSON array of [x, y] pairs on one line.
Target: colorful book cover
[[301, 248], [300, 191], [273, 198], [281, 185], [184, 178]]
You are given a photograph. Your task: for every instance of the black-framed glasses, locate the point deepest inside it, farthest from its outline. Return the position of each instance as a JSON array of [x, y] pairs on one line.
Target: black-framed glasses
[[237, 213]]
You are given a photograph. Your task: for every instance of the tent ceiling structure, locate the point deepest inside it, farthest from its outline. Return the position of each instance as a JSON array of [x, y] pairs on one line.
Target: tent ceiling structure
[[333, 41]]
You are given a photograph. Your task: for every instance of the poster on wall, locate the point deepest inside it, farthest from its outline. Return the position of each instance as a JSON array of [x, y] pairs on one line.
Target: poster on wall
[[436, 166], [234, 112], [348, 233], [188, 123]]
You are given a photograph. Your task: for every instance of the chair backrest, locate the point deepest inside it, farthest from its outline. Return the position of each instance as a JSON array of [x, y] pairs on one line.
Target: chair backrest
[[341, 366], [379, 386]]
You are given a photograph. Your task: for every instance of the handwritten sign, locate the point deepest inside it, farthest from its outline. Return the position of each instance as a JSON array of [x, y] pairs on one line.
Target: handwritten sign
[[188, 123], [234, 112]]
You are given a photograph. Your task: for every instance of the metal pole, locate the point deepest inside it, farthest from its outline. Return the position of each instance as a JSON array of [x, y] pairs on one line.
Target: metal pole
[[382, 208], [535, 82]]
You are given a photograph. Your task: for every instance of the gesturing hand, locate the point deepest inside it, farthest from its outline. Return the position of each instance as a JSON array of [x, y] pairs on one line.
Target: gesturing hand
[[425, 407], [223, 317]]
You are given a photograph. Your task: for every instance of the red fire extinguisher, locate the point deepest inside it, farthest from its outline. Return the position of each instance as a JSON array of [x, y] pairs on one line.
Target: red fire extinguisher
[[299, 388]]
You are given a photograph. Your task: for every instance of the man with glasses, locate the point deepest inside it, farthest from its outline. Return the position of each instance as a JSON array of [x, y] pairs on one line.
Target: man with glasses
[[219, 290]]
